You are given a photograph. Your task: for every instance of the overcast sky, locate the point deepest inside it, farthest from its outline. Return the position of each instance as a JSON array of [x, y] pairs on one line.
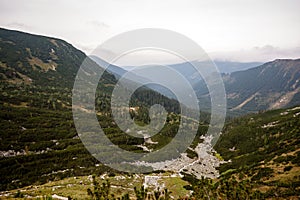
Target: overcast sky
[[237, 30]]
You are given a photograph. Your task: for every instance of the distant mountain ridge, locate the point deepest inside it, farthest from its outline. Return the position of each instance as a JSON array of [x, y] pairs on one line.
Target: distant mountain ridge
[[272, 85], [228, 67], [189, 72]]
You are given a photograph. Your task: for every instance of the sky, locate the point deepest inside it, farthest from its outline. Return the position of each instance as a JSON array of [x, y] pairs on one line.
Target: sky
[[233, 30]]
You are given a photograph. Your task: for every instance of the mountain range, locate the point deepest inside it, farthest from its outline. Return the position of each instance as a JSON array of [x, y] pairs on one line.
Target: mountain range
[[271, 85], [49, 61], [39, 142]]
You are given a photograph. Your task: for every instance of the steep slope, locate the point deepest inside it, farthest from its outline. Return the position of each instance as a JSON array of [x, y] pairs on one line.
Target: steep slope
[[265, 149], [38, 138], [38, 71], [272, 85], [37, 60]]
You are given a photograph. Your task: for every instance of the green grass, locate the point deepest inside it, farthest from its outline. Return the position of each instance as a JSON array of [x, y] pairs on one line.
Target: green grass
[[76, 187]]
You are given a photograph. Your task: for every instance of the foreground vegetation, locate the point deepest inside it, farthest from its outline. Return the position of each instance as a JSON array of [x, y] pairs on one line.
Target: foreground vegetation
[[265, 148]]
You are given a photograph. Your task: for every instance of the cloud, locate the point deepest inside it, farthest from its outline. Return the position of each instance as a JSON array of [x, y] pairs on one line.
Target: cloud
[[224, 27], [266, 48], [98, 24], [18, 25], [258, 54]]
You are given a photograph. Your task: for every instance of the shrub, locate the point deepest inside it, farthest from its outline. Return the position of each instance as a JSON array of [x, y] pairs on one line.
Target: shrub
[[287, 168]]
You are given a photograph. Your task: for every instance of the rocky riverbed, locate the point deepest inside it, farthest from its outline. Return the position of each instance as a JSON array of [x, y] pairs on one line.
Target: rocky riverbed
[[204, 164]]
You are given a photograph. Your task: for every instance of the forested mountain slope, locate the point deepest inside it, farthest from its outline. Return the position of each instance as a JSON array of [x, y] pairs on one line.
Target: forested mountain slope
[[39, 141]]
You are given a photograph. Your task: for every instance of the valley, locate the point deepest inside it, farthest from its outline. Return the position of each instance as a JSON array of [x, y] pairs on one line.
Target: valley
[[42, 156]]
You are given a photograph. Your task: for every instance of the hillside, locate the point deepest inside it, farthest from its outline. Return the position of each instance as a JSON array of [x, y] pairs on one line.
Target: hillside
[[38, 71], [272, 85], [265, 148], [39, 142], [38, 60], [38, 137]]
